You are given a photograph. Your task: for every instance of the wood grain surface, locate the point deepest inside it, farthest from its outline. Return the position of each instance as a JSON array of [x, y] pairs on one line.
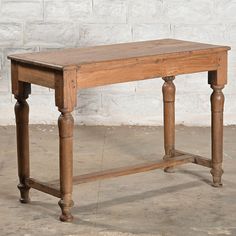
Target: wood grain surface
[[59, 59]]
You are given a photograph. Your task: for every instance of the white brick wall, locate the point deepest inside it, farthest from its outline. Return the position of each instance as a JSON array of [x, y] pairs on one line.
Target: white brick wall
[[36, 25]]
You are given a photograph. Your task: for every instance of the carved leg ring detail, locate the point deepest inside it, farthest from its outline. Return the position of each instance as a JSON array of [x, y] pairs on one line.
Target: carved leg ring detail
[[217, 106], [65, 124], [21, 113]]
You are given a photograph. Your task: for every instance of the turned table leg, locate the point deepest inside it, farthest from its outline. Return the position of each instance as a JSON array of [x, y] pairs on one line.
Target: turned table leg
[[22, 132], [66, 97], [168, 90], [65, 124], [217, 106]]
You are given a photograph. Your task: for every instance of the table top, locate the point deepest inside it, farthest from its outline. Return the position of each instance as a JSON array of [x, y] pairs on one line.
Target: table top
[[63, 58]]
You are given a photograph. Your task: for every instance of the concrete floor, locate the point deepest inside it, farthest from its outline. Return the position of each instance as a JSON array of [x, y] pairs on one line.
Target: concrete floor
[[150, 203]]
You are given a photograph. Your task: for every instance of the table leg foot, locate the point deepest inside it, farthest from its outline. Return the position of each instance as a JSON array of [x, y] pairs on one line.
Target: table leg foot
[[217, 172], [24, 193], [217, 185], [66, 215], [168, 169]]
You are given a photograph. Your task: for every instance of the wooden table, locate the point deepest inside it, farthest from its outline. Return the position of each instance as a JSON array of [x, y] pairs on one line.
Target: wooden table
[[66, 71]]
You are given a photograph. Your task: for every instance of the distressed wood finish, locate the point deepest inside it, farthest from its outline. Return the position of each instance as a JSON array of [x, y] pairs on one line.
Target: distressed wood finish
[[21, 91], [65, 99], [66, 71], [168, 91], [65, 124], [118, 63], [90, 75], [217, 106], [66, 90], [217, 80]]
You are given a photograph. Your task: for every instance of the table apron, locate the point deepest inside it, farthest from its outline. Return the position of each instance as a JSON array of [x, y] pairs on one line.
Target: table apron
[[104, 73], [91, 75]]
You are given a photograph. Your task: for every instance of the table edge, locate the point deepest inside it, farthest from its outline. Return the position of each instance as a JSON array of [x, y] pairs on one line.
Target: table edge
[[165, 55]]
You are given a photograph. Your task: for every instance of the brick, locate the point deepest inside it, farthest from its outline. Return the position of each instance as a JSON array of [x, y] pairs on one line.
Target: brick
[[149, 11], [225, 11], [92, 34], [68, 10], [216, 34], [151, 31], [89, 102], [50, 34], [10, 34], [43, 109], [197, 82], [21, 11], [105, 11], [131, 108], [151, 86], [194, 103], [191, 11], [117, 104], [231, 29]]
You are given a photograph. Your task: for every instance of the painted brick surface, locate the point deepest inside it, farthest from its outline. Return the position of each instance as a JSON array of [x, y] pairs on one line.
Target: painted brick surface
[[50, 34], [10, 34], [62, 11], [39, 25], [216, 33], [225, 11], [109, 11], [18, 10], [191, 11], [149, 11], [112, 33], [151, 31]]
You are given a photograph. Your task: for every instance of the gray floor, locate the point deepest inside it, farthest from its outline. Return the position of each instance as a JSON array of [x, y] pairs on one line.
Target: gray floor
[[150, 203]]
